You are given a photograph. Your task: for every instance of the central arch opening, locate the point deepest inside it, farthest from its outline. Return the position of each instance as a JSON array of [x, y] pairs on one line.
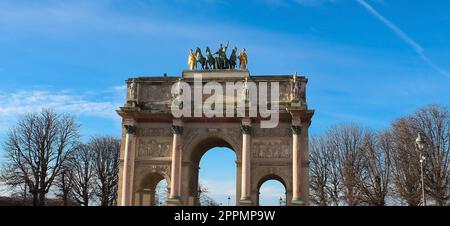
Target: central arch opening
[[216, 173], [217, 177]]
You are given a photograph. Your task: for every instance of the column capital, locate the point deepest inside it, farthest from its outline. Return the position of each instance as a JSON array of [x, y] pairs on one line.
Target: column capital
[[131, 129], [246, 129], [295, 129], [177, 129]]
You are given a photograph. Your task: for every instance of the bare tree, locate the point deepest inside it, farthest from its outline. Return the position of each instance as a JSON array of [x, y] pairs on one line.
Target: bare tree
[[355, 166], [161, 193], [320, 171], [64, 183], [334, 187], [349, 165], [204, 198], [374, 179], [12, 186], [83, 174], [347, 142], [434, 122], [405, 162], [106, 151], [37, 148]]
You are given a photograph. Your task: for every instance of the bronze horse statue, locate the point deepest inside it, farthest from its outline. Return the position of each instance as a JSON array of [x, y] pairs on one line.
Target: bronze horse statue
[[200, 58], [232, 60], [218, 60], [210, 60], [221, 57]]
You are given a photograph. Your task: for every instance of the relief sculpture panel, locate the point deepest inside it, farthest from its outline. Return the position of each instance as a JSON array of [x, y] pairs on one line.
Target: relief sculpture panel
[[154, 93], [154, 132], [284, 92], [271, 149], [274, 132], [153, 148]]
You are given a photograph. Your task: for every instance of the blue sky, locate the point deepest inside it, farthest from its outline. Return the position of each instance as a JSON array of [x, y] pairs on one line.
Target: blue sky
[[367, 61]]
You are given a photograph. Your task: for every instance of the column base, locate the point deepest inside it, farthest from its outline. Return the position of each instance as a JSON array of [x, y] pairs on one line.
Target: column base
[[174, 201], [297, 202], [246, 202]]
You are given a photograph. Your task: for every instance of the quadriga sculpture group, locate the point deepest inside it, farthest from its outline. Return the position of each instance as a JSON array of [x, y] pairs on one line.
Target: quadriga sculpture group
[[218, 60]]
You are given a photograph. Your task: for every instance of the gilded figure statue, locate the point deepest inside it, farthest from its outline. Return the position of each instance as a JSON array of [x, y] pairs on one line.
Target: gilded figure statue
[[243, 61], [192, 61]]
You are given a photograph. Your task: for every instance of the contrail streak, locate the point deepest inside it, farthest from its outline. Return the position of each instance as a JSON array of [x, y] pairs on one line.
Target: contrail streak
[[417, 48]]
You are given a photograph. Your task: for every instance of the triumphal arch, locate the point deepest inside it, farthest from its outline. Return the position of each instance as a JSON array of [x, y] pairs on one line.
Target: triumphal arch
[[169, 122]]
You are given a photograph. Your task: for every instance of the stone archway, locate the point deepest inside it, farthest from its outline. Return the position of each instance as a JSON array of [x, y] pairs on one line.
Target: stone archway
[[145, 194], [194, 153], [155, 141], [268, 178]]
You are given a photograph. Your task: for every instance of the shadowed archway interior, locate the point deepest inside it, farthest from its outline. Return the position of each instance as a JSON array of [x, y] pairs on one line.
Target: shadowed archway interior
[[153, 190]]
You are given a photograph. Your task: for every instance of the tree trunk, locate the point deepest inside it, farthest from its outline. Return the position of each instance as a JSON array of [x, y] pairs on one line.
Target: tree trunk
[[35, 199], [86, 200], [41, 201], [65, 199]]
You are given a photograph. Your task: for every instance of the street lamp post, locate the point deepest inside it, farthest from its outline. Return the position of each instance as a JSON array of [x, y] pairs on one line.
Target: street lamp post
[[420, 144], [229, 198]]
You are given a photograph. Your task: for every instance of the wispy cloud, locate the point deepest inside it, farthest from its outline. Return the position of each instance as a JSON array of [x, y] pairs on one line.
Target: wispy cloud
[[120, 88], [87, 17], [405, 37], [75, 19], [25, 101]]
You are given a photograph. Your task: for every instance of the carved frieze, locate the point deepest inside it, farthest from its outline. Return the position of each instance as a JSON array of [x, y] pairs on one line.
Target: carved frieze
[[154, 132], [162, 93], [153, 148], [272, 132], [234, 134], [160, 169], [271, 149], [155, 93], [163, 169]]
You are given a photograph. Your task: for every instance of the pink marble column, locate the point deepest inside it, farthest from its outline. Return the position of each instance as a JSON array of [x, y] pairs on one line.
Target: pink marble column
[[175, 182], [296, 164], [127, 163], [246, 163]]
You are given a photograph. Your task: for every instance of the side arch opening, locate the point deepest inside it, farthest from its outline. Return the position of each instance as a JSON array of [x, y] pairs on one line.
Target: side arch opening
[[153, 190], [272, 191]]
